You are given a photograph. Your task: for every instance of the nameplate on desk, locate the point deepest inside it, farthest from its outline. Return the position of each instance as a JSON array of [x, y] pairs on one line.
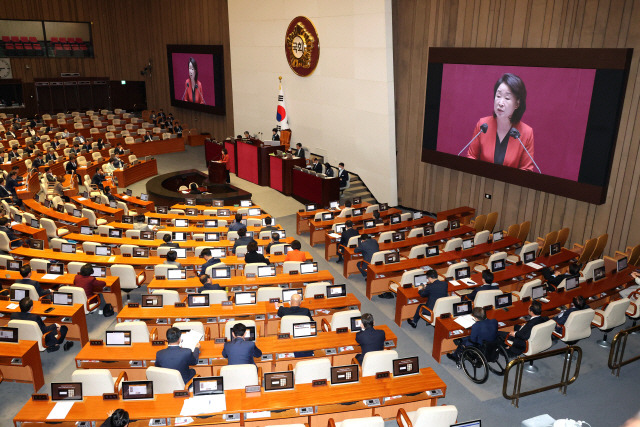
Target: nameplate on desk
[[179, 305], [379, 263], [526, 299], [274, 300], [445, 315], [220, 340], [160, 277], [40, 396], [252, 389], [318, 296], [46, 301], [4, 298], [89, 253], [407, 285], [56, 250], [126, 255], [96, 342], [519, 263], [133, 305], [106, 289], [250, 275], [284, 336], [157, 342], [110, 396], [226, 303], [181, 393], [293, 272], [342, 330], [380, 375], [316, 383]]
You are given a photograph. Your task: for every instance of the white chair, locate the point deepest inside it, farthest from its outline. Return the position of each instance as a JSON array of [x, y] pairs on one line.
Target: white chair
[[289, 266], [429, 416], [525, 291], [89, 247], [193, 326], [611, 317], [4, 260], [138, 328], [237, 377], [128, 249], [577, 326], [307, 371], [378, 257], [169, 297], [217, 296], [385, 237], [418, 251], [342, 319], [287, 322], [481, 237], [29, 330], [317, 288], [241, 251], [51, 228], [80, 297], [527, 247], [96, 382], [587, 271], [165, 380], [451, 271], [253, 268], [161, 269], [91, 216], [29, 289], [129, 280], [378, 361], [415, 232], [484, 298], [452, 244], [539, 341], [266, 293], [440, 226], [372, 208], [163, 250], [345, 213], [39, 265], [232, 235], [376, 421], [442, 305], [279, 248], [229, 325], [498, 256], [74, 267]]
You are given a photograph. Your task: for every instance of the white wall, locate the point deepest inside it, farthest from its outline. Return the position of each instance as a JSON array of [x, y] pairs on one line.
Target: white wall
[[345, 109]]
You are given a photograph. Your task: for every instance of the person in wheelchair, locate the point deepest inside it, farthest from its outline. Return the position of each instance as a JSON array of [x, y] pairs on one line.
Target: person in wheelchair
[[483, 331]]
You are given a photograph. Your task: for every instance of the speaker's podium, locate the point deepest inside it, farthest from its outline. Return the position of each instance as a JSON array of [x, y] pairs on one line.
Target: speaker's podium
[[253, 160], [217, 173]]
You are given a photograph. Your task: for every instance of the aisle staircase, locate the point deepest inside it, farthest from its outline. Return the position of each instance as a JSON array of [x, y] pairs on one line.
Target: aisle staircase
[[357, 188]]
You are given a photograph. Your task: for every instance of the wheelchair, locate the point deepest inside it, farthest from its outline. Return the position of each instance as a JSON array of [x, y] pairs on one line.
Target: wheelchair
[[476, 361]]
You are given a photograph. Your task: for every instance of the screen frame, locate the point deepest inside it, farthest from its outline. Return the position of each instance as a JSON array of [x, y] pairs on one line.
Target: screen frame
[[592, 58], [217, 52]]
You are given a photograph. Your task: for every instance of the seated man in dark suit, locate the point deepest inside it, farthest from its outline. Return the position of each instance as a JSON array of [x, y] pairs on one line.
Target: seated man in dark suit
[[242, 239], [294, 309], [328, 170], [38, 161], [434, 290], [316, 166], [238, 351], [484, 330], [52, 340], [275, 240], [487, 285], [4, 192], [13, 153], [237, 224], [118, 150], [369, 339], [51, 155], [299, 151], [553, 280], [176, 357], [521, 333], [347, 234], [167, 241], [367, 248], [207, 285], [147, 137], [268, 226], [25, 272], [72, 165], [578, 304], [98, 179], [209, 260]]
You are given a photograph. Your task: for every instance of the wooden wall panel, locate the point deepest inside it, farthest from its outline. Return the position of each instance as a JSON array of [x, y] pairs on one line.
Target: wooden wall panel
[[420, 24], [126, 34]]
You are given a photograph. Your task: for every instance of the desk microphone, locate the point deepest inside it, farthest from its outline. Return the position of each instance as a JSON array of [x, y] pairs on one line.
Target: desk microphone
[[515, 134], [483, 129]]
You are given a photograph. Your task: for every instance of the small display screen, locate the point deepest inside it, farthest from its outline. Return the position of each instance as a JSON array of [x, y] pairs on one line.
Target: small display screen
[[529, 256], [245, 298], [278, 381], [103, 250], [210, 223], [62, 298], [288, 293], [538, 292], [8, 334], [406, 366], [462, 273], [345, 374], [221, 272], [267, 271], [305, 329], [497, 236], [461, 308], [140, 252], [621, 264], [335, 291], [176, 274], [151, 301], [198, 300], [391, 258], [66, 391], [308, 267], [503, 301], [498, 265], [68, 248], [117, 338], [420, 279], [204, 386], [55, 268], [598, 273], [115, 232], [356, 324], [467, 244], [137, 390]]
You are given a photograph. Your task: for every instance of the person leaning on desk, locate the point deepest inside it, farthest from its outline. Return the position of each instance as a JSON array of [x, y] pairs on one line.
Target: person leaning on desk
[[252, 256], [294, 308], [238, 351], [435, 289], [209, 260], [207, 285]]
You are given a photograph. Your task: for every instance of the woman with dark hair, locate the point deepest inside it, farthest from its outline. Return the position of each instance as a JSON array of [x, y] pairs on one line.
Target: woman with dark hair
[[224, 158], [252, 255], [328, 170], [495, 143], [192, 86], [117, 418]]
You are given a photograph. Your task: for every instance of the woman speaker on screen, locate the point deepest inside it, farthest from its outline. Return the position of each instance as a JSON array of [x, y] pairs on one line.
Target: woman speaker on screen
[[503, 138], [192, 86]]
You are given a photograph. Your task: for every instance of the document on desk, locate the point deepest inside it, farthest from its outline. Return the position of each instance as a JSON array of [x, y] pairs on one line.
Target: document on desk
[[12, 306], [334, 235], [203, 405], [51, 276], [468, 282], [82, 199], [191, 339], [465, 321], [534, 265], [454, 282], [60, 411]]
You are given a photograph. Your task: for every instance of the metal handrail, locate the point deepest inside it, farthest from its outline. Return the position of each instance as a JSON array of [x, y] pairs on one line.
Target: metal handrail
[[519, 363], [618, 346]]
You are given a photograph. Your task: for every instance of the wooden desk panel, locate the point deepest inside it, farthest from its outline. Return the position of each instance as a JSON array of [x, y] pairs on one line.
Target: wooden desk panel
[[116, 214], [313, 189], [27, 369], [77, 322], [136, 202], [63, 218], [328, 399], [151, 148], [34, 233], [303, 218], [135, 173], [318, 228]]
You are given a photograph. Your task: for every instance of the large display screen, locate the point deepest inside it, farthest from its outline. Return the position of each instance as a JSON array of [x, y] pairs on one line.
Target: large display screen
[[541, 118], [196, 77]]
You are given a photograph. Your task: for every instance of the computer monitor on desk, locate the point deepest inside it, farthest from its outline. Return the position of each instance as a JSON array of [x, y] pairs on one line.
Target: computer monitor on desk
[[621, 264], [462, 273], [152, 301], [406, 366], [211, 237], [62, 298], [18, 294], [571, 282], [304, 330], [461, 308], [344, 374], [498, 265], [66, 391], [206, 386], [503, 301], [274, 381], [245, 298], [8, 334], [137, 390], [210, 223], [288, 293]]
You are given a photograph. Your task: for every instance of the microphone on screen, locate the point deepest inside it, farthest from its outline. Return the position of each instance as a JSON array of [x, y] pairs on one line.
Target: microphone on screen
[[483, 129], [514, 133]]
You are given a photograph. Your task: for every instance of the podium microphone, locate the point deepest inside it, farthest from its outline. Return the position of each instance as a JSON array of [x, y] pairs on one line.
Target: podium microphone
[[515, 134], [483, 129]]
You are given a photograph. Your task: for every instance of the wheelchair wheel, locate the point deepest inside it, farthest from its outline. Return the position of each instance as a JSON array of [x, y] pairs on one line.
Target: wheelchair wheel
[[474, 365], [498, 360]]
